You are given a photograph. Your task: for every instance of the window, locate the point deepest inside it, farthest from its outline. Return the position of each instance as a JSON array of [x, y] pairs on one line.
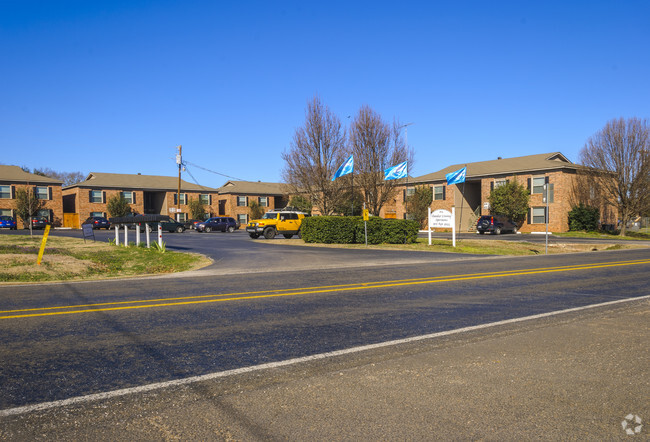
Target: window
[[45, 213], [97, 214], [538, 184], [499, 183], [42, 193], [264, 201], [438, 193], [183, 199], [128, 197], [5, 192], [181, 217], [205, 199], [539, 215], [5, 212], [96, 196], [242, 201], [410, 192], [242, 218]]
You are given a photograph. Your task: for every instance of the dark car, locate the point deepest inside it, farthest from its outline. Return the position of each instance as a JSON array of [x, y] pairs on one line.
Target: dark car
[[168, 224], [98, 222], [7, 222], [191, 223], [38, 222], [495, 224], [221, 223]]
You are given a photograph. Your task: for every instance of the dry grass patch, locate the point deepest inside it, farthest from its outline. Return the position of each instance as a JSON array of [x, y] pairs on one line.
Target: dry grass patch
[[74, 259]]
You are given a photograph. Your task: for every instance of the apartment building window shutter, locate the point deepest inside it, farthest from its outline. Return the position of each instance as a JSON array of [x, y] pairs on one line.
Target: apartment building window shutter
[[175, 199], [246, 201], [491, 186], [444, 193], [13, 192], [210, 200], [103, 197], [133, 197], [90, 196], [404, 195], [529, 188], [49, 193], [530, 210]]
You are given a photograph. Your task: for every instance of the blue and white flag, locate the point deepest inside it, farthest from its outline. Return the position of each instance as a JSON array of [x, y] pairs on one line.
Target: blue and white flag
[[396, 172], [456, 177], [346, 168]]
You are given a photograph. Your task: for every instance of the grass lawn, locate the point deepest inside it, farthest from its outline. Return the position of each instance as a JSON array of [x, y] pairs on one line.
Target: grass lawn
[[478, 247], [640, 235], [67, 259]]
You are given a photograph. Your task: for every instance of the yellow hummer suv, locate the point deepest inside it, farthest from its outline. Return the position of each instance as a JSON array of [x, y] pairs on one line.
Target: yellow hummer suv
[[286, 222]]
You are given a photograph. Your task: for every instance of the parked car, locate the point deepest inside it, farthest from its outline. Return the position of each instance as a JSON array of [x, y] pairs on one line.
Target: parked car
[[98, 222], [221, 223], [286, 221], [8, 222], [191, 223], [38, 222], [168, 224], [495, 224]]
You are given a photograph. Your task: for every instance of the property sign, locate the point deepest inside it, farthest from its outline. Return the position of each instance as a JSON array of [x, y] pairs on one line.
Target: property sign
[[441, 219], [88, 231]]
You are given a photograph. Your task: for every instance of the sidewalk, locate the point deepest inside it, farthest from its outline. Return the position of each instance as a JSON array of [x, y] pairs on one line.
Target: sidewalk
[[573, 376]]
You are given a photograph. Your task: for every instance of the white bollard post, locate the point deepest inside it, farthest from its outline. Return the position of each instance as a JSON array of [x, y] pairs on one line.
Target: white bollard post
[[117, 235], [148, 230], [126, 235], [429, 225], [160, 235], [137, 235]]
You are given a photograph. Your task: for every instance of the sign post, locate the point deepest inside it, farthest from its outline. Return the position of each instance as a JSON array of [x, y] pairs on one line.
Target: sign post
[[43, 242], [443, 219], [365, 222]]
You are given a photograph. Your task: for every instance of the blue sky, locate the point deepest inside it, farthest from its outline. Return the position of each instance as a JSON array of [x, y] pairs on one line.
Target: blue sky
[[115, 86]]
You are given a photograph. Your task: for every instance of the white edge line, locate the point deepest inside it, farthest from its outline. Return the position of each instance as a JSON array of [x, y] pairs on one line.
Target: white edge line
[[222, 374]]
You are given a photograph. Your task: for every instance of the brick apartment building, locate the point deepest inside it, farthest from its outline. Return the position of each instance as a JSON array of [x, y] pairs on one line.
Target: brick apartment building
[[45, 188], [146, 194], [235, 196], [533, 171]]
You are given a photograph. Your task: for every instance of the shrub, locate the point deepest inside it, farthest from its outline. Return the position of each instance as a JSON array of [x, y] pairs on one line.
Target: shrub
[[584, 217], [351, 230]]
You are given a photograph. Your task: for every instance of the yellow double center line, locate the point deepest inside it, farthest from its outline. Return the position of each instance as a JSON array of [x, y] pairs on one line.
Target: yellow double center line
[[204, 299]]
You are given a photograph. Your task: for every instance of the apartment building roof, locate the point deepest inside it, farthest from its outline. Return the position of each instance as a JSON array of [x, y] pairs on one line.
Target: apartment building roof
[[14, 174], [505, 166], [100, 180], [252, 188]]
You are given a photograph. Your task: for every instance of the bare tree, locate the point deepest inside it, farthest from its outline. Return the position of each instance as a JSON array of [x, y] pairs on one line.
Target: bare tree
[[619, 160], [376, 146], [68, 178], [316, 152]]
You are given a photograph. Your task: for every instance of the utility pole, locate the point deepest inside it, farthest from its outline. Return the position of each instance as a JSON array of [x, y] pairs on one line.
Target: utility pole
[[179, 161]]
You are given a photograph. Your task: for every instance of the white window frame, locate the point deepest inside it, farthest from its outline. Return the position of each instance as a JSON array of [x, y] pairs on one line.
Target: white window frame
[[499, 183], [204, 198], [440, 196], [9, 192], [45, 213], [536, 217], [6, 212], [239, 200], [102, 214], [38, 192], [264, 201], [94, 198], [181, 217], [242, 218], [539, 187], [128, 196]]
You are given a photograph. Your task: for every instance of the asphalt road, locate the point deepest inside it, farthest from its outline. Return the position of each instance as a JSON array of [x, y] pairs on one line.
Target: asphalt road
[[67, 340]]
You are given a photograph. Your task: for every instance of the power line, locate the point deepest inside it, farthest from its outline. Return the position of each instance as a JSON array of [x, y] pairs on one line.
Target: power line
[[212, 171]]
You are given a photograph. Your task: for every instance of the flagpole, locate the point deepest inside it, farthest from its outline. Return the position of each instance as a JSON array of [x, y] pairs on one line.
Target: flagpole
[[462, 198]]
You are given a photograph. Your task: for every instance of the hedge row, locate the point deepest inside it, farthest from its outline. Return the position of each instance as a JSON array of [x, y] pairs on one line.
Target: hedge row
[[350, 230]]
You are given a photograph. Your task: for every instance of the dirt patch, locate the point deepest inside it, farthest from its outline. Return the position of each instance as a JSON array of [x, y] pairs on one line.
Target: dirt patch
[[22, 264]]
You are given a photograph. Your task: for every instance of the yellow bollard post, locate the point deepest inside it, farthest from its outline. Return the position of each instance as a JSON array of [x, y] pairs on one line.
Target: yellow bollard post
[[43, 242]]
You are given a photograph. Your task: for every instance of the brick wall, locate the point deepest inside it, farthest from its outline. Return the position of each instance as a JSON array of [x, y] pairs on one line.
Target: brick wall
[[54, 204]]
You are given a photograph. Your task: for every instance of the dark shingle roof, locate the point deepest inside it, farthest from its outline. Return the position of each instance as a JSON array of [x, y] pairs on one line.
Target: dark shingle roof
[[140, 182], [252, 188], [14, 174], [505, 166]]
